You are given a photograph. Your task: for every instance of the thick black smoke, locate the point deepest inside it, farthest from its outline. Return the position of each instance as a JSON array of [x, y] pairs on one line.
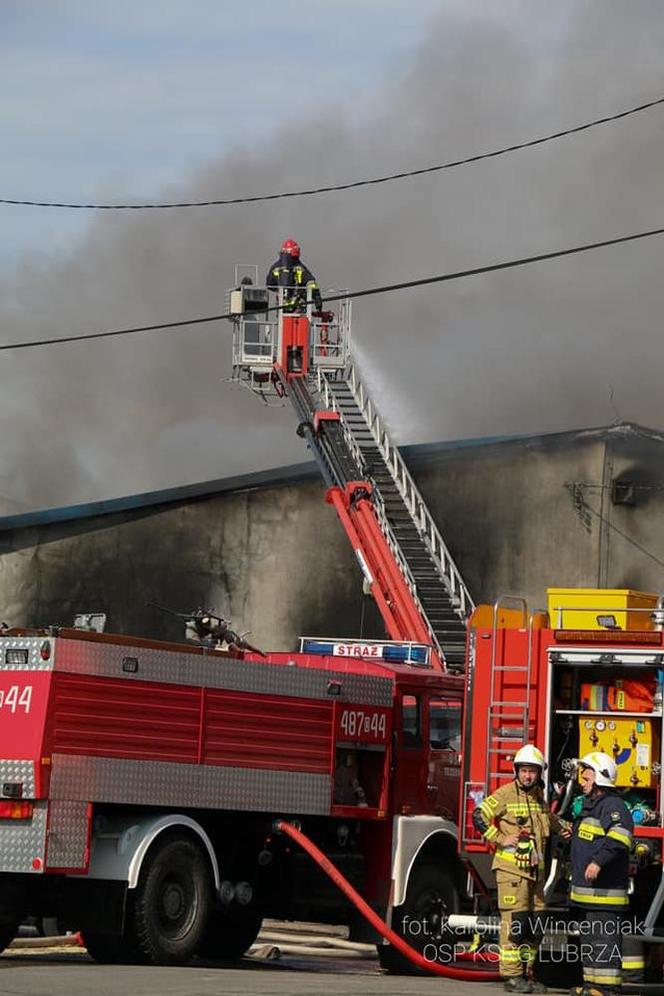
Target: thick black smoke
[[525, 351]]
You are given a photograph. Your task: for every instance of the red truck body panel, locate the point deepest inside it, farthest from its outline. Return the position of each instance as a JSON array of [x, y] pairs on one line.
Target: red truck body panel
[[94, 719], [509, 668]]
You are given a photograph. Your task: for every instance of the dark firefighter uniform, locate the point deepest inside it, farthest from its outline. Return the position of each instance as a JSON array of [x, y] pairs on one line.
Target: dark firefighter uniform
[[519, 869], [288, 272], [603, 835]]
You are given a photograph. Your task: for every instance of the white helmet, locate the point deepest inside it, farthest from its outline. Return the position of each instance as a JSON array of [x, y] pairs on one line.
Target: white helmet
[[529, 754], [603, 766]]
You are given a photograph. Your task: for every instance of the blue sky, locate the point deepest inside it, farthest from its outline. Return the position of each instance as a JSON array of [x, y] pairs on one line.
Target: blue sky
[[117, 101]]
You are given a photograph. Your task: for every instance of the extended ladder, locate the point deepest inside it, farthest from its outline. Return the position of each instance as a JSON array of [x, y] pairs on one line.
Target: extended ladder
[[308, 358]]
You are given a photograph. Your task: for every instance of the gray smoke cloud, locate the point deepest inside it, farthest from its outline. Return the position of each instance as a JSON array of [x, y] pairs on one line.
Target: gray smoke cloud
[[530, 350]]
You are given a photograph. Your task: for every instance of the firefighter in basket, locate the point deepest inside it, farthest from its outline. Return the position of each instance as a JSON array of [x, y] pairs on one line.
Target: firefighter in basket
[[517, 823], [289, 272]]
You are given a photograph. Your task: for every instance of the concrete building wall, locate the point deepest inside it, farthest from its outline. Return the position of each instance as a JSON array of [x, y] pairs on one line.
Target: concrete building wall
[[509, 517], [518, 516], [631, 535], [272, 561]]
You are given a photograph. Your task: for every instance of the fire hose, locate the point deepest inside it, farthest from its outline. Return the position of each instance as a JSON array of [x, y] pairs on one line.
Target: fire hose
[[397, 942]]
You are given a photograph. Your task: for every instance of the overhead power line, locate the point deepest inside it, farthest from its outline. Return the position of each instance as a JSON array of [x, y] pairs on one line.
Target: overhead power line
[[367, 292], [353, 184]]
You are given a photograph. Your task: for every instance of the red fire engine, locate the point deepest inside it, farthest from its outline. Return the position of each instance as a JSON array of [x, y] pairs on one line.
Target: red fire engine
[[142, 783], [141, 780], [145, 786]]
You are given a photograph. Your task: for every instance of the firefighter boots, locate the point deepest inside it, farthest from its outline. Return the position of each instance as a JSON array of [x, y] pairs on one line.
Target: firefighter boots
[[518, 984]]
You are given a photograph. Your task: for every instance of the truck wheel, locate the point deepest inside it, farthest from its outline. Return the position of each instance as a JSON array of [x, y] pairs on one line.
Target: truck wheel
[[172, 901], [8, 932], [230, 934], [430, 898]]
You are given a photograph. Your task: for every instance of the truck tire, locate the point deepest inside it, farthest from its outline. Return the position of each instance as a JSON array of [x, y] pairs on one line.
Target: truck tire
[[230, 934], [431, 896], [8, 932], [172, 901]]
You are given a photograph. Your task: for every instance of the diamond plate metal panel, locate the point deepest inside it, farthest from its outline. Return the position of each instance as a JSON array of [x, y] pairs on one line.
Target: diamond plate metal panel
[[23, 842], [33, 646], [18, 771], [153, 783], [105, 660], [67, 835]]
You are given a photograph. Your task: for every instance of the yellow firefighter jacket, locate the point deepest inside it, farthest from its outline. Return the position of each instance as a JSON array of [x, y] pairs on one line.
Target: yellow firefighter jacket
[[512, 810]]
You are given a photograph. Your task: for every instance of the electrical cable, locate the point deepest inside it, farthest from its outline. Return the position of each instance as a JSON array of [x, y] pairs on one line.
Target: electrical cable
[[385, 289], [351, 185], [607, 522], [591, 486]]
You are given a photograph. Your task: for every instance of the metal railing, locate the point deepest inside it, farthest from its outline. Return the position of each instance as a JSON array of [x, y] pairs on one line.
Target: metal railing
[[257, 334], [330, 404], [610, 611], [461, 599], [254, 343], [330, 342]]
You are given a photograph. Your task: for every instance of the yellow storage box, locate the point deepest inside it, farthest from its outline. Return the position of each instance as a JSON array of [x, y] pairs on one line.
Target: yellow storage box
[[632, 743], [579, 608]]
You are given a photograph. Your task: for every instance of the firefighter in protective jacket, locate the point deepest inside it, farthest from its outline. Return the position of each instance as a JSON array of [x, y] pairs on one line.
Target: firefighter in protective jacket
[[290, 273], [516, 820], [601, 843]]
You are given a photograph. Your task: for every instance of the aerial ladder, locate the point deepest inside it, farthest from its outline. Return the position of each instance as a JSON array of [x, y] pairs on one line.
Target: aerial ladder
[[306, 356]]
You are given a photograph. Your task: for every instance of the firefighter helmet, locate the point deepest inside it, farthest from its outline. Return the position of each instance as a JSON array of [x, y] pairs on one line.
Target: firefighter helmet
[[291, 248], [603, 766], [529, 754]]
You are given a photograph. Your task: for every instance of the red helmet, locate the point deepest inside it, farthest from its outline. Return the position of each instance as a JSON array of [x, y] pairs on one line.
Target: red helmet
[[291, 247]]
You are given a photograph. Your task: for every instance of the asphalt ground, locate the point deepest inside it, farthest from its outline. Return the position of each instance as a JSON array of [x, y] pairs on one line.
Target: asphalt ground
[[70, 972]]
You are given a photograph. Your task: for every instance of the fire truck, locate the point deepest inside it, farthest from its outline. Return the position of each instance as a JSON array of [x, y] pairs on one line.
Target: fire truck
[[585, 674], [146, 786], [143, 783]]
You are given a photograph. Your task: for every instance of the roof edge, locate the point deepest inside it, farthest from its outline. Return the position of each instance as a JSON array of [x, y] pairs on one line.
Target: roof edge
[[294, 473]]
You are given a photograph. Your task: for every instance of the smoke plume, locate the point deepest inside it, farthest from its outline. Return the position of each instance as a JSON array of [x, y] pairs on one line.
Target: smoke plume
[[529, 350]]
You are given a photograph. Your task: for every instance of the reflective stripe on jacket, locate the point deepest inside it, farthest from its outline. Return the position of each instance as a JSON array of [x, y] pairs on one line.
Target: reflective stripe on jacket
[[510, 809], [603, 835], [295, 276]]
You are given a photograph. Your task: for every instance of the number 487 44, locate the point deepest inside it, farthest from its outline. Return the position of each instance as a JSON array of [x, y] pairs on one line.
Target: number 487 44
[[358, 723]]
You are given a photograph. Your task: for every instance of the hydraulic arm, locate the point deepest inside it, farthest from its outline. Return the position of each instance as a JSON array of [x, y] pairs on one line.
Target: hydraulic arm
[[406, 565]]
